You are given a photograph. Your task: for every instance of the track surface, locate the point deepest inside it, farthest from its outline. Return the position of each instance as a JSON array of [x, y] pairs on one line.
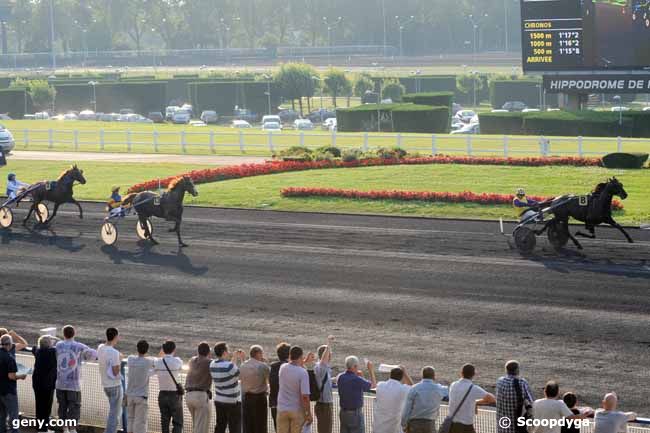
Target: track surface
[[395, 290]]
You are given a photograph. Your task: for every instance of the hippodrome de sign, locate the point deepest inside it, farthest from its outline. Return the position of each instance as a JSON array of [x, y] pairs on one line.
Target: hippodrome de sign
[[600, 83]]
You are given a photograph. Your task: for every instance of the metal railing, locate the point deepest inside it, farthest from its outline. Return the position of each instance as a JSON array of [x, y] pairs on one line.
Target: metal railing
[[249, 141], [94, 406]]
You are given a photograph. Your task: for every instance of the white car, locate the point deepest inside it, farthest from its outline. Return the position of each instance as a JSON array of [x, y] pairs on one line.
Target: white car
[[7, 142], [272, 127], [330, 124], [499, 110], [197, 123], [468, 129], [240, 124], [70, 116], [87, 115], [42, 115], [170, 110], [303, 124], [646, 108], [271, 118], [530, 110], [181, 117], [465, 115], [621, 108]]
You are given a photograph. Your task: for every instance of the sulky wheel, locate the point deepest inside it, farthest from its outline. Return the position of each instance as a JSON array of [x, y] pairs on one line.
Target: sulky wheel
[[558, 235], [525, 239], [6, 217], [44, 213], [108, 233], [140, 231]]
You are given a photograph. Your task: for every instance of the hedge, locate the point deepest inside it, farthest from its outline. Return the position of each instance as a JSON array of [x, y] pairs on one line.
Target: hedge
[[435, 99], [501, 123], [502, 91], [394, 118], [625, 160], [576, 123], [13, 101], [142, 97], [223, 96]]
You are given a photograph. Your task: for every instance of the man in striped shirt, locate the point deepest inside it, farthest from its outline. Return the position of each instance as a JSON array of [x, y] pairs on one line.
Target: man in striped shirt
[[227, 394]]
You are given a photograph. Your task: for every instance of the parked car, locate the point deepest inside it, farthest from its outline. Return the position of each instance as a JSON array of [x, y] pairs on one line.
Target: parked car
[[181, 117], [189, 108], [473, 128], [465, 115], [272, 126], [621, 108], [321, 115], [42, 115], [456, 124], [5, 116], [244, 114], [242, 124], [288, 116], [138, 118], [531, 110], [29, 117], [271, 118], [514, 106], [156, 117], [329, 124], [303, 124], [209, 116], [499, 110], [106, 117], [170, 110], [126, 111], [198, 123], [455, 108], [7, 142], [646, 108], [70, 116], [87, 115]]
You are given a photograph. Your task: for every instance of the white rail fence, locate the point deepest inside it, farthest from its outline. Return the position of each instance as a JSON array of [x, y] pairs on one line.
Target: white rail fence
[[211, 141], [94, 406]]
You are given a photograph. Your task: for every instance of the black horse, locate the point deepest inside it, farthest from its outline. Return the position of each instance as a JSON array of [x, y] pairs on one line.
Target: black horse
[[58, 192], [168, 207], [595, 210]]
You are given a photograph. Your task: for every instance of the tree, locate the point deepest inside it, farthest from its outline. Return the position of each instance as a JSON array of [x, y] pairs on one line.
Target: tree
[[469, 84], [40, 91], [336, 84], [362, 85], [295, 82], [392, 89]]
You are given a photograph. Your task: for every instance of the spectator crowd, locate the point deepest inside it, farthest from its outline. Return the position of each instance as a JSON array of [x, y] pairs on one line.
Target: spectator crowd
[[242, 387]]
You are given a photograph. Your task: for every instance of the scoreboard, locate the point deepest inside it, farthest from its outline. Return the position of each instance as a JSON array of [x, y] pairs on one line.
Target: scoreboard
[[552, 35]]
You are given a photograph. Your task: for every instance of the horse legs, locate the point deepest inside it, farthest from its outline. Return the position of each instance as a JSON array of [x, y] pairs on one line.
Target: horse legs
[[616, 225], [81, 211], [145, 227], [181, 244], [574, 240], [591, 229], [56, 208], [31, 210], [546, 226]]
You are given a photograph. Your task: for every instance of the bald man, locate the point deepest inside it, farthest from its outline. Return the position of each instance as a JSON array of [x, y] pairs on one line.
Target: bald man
[[608, 419]]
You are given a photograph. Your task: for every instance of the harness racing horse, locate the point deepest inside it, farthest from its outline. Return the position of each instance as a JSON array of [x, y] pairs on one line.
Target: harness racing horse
[[57, 192], [169, 206], [597, 210]]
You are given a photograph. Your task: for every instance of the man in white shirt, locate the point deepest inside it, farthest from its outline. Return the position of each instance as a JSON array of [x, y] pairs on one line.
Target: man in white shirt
[[608, 419], [140, 368], [550, 408], [170, 402], [109, 368], [389, 401], [463, 421]]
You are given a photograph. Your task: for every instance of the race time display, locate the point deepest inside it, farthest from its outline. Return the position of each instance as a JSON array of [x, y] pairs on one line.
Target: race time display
[[574, 35]]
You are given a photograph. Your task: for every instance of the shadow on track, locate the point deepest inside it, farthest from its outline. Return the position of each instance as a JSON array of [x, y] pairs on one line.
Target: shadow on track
[[66, 243], [568, 261], [147, 256]]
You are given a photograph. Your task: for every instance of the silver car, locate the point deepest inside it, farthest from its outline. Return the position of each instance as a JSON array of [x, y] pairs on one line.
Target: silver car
[[7, 142]]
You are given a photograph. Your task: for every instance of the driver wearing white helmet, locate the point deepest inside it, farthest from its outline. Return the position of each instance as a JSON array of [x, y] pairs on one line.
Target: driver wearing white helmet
[[14, 186]]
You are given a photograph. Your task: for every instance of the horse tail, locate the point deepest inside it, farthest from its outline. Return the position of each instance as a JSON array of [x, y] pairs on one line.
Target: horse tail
[[127, 201]]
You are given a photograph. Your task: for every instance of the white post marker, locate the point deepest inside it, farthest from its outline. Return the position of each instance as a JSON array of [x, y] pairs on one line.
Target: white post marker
[[644, 226], [501, 224]]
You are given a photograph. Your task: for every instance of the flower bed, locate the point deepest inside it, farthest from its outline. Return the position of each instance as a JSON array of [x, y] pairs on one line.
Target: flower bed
[[273, 167], [429, 196]]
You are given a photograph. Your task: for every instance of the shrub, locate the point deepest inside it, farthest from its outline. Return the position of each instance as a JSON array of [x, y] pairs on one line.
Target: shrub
[[324, 156], [393, 153], [352, 155], [335, 151], [625, 160], [501, 123], [296, 153], [362, 85], [394, 117], [392, 89]]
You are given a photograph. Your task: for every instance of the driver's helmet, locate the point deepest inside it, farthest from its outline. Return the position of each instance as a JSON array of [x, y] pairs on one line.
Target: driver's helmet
[[11, 176], [521, 192]]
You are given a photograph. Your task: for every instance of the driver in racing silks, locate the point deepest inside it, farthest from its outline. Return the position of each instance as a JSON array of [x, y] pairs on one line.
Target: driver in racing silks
[[115, 203], [523, 204], [14, 186]]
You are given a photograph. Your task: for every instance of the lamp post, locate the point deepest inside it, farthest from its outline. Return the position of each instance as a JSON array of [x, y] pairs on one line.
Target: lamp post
[[474, 77], [268, 90], [94, 101], [330, 26], [475, 26], [52, 34], [402, 25], [320, 93]]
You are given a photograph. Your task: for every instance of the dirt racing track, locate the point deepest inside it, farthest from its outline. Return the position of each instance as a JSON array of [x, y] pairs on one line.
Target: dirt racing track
[[395, 290]]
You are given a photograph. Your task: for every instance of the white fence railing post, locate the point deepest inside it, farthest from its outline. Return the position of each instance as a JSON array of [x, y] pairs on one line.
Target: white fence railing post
[[128, 140], [619, 144], [270, 141], [241, 142], [469, 144], [50, 138], [26, 137], [434, 147], [505, 146], [183, 141], [101, 139], [302, 138], [365, 142], [399, 139], [75, 139], [155, 141], [213, 148], [580, 151], [334, 138]]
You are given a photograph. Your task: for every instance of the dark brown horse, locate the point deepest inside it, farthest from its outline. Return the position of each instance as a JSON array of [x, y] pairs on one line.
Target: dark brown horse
[[58, 192], [593, 210], [169, 206]]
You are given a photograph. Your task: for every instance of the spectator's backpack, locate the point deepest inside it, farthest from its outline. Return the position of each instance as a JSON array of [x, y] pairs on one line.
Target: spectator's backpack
[[314, 390]]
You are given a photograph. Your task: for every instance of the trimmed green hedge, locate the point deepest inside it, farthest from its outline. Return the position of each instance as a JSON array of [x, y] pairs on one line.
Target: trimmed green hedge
[[569, 123], [394, 118], [13, 102], [502, 91], [435, 99], [501, 123], [142, 97], [625, 160], [223, 96]]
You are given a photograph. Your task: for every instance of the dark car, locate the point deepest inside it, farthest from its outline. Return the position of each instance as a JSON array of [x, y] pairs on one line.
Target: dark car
[[321, 115], [156, 117], [514, 106], [288, 116]]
